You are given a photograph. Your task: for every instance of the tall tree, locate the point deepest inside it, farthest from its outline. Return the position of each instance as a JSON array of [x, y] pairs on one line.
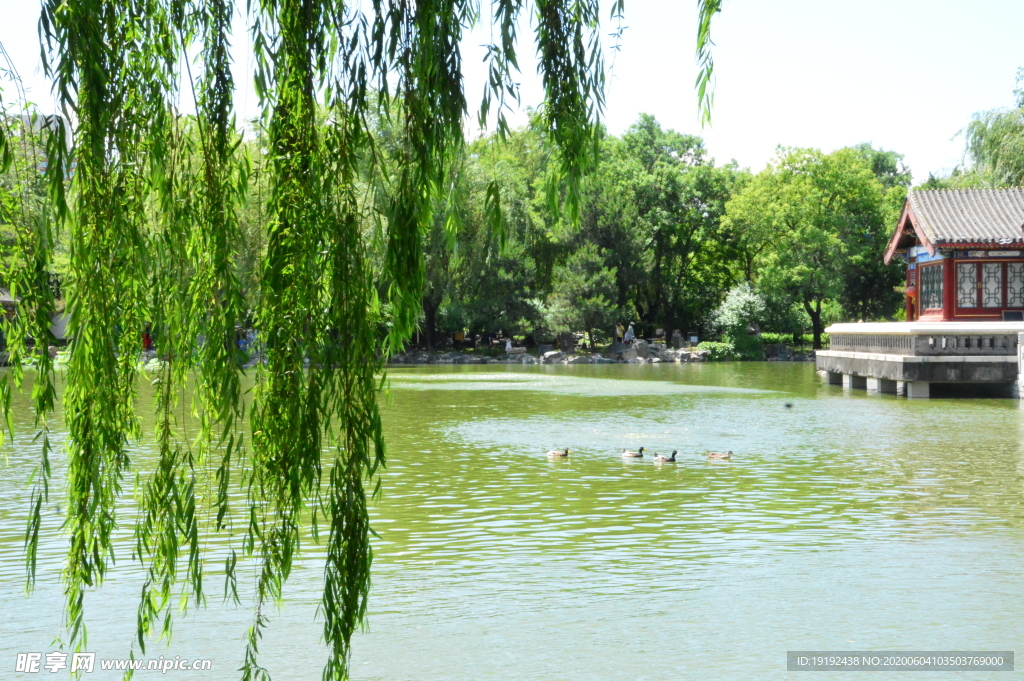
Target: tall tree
[[817, 224], [995, 145], [583, 295], [654, 207]]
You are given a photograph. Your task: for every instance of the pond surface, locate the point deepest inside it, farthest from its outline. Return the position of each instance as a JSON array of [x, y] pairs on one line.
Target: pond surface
[[843, 522]]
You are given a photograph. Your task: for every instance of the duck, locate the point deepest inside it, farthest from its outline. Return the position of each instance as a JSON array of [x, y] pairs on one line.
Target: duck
[[555, 454], [661, 458], [626, 454], [719, 455]]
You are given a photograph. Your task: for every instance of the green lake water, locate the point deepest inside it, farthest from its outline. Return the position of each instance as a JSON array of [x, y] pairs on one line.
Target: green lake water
[[843, 522]]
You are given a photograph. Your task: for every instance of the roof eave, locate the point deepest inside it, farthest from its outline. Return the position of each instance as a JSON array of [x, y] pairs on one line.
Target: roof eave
[[908, 216], [985, 245]]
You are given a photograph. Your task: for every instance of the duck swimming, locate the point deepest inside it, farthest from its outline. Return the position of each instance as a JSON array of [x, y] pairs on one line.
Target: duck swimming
[[626, 454], [554, 453], [661, 458], [719, 455]]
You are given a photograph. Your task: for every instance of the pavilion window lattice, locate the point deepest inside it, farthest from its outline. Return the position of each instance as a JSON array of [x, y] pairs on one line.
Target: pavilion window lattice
[[967, 284], [931, 287], [992, 284], [1015, 284]]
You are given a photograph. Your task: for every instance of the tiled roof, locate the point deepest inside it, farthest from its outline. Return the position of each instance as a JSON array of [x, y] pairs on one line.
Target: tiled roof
[[970, 215]]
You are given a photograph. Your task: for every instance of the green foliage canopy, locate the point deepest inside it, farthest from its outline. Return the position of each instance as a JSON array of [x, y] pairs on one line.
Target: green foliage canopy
[[812, 228], [583, 294]]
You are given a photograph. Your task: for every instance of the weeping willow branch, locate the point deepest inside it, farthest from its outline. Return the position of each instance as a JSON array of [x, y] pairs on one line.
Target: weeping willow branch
[[29, 280], [152, 218], [706, 10]]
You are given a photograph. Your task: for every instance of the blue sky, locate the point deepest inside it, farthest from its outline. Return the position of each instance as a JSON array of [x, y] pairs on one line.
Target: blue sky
[[906, 75]]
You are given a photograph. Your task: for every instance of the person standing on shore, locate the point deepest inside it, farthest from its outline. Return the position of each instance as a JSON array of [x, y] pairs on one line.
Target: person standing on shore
[[630, 335]]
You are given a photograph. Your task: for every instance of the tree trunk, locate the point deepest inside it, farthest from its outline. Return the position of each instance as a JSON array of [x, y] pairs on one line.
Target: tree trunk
[[816, 329], [430, 321]]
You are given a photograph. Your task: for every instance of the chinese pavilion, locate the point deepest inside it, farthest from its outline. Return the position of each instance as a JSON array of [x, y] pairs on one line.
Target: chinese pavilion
[[965, 254]]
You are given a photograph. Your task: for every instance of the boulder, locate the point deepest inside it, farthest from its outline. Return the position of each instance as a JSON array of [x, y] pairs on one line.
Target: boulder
[[603, 360], [636, 360], [664, 354], [517, 351], [628, 354], [642, 349], [553, 356], [579, 359]]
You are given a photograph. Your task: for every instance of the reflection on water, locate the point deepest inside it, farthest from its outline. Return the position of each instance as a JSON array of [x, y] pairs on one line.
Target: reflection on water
[[842, 522]]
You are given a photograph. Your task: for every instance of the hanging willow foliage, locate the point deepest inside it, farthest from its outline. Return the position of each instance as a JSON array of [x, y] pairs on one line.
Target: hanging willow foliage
[[706, 10], [151, 216]]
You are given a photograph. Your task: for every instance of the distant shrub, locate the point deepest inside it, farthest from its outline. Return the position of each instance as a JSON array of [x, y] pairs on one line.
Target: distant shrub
[[748, 346], [743, 307], [718, 351], [772, 338]]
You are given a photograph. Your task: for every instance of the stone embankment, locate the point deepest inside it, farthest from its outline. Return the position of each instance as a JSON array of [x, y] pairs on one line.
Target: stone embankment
[[638, 353]]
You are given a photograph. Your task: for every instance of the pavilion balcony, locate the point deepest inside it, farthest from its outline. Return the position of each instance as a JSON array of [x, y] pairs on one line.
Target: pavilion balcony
[[909, 357]]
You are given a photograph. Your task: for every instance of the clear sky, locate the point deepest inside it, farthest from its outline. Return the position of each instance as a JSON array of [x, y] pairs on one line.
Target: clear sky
[[905, 75]]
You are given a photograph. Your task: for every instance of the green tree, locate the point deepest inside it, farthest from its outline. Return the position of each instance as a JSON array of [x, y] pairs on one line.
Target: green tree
[[995, 145], [583, 295], [654, 208], [739, 318], [816, 224], [888, 166]]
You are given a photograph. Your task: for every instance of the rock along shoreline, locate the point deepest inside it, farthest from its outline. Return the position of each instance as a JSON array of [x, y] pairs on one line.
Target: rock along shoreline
[[639, 353]]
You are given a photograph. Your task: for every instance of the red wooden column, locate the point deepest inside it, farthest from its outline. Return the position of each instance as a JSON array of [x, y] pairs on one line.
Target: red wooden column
[[948, 288]]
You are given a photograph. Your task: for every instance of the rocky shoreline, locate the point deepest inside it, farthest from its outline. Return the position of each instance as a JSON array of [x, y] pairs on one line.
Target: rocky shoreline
[[638, 353]]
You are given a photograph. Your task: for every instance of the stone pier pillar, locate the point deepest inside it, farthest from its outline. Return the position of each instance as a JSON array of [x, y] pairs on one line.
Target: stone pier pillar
[[852, 381], [918, 389], [834, 378], [881, 385], [1019, 391]]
